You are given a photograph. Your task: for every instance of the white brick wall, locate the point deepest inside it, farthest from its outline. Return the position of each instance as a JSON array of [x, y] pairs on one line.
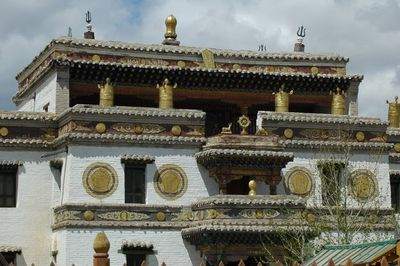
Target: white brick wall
[[45, 93], [199, 183], [28, 225], [376, 164], [77, 246]]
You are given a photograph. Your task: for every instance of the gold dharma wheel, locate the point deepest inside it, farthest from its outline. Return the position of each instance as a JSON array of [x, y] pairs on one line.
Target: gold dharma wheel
[[244, 121]]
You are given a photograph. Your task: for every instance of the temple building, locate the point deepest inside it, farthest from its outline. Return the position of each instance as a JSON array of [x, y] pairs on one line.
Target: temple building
[[186, 155]]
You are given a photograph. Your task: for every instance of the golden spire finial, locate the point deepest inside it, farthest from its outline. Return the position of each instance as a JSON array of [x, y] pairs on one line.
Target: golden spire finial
[[101, 243], [170, 33], [252, 187], [394, 112], [338, 102]]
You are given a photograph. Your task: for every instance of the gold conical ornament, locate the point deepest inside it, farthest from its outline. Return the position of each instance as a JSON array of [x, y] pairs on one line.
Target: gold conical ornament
[[338, 102], [394, 112], [101, 243], [252, 187], [170, 32], [106, 94], [166, 94], [282, 99]]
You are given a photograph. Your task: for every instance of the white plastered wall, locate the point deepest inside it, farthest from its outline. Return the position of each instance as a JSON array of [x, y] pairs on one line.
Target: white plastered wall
[[44, 93], [80, 157], [377, 164], [76, 246], [28, 225]]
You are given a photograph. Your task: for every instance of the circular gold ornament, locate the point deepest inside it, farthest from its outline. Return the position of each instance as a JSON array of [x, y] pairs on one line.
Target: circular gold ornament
[[244, 121], [373, 218], [160, 216], [3, 131], [259, 214], [101, 128], [311, 218], [360, 136], [288, 133], [138, 129], [96, 58], [314, 70], [397, 147], [88, 215], [324, 134], [363, 185], [123, 216], [176, 130], [299, 181], [236, 67], [100, 180], [181, 64], [170, 181], [212, 214]]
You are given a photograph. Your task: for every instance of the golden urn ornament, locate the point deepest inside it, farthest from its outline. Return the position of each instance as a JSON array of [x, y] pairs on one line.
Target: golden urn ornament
[[394, 112], [106, 94], [166, 94], [338, 102], [282, 99]]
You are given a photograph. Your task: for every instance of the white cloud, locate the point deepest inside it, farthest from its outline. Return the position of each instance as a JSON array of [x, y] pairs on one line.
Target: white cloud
[[365, 31]]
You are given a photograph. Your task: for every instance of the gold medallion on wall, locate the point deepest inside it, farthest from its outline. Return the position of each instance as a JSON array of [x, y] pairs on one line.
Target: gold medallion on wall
[[363, 185], [300, 181], [100, 180], [170, 181]]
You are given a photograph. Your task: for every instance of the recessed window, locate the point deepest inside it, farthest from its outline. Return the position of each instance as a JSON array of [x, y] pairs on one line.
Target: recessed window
[[135, 259], [331, 175], [8, 188], [135, 189], [395, 192]]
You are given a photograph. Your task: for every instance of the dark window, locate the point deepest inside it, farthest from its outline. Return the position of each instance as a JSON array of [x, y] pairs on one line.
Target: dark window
[[135, 259], [395, 192], [135, 183], [331, 175], [7, 257], [238, 186], [8, 188]]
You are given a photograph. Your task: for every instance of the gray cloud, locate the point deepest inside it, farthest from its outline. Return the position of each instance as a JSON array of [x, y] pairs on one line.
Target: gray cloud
[[367, 31]]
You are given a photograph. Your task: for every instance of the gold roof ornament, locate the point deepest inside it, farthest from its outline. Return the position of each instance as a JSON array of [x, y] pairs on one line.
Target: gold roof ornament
[[338, 102], [394, 112], [106, 94], [170, 33], [282, 99], [101, 243], [252, 187], [244, 123], [166, 100]]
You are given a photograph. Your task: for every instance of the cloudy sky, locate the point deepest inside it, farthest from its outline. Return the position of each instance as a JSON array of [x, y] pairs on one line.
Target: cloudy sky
[[367, 31]]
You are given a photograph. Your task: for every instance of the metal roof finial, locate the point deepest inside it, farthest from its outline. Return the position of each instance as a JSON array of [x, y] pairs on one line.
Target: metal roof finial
[[89, 34], [301, 33]]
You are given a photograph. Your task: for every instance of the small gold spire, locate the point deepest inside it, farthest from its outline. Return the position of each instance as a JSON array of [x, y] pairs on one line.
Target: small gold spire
[[394, 113], [106, 94], [282, 99], [252, 187], [101, 243], [338, 102], [170, 33]]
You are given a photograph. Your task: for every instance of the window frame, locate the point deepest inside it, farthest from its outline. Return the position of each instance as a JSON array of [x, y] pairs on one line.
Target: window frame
[[132, 194], [10, 171]]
